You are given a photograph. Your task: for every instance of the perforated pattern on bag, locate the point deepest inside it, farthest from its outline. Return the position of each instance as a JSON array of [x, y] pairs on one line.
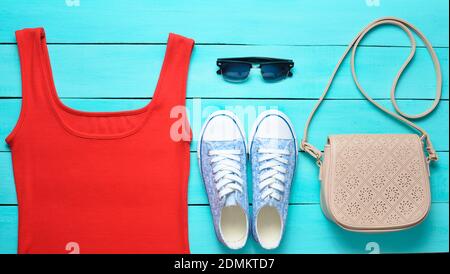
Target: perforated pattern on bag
[[379, 181]]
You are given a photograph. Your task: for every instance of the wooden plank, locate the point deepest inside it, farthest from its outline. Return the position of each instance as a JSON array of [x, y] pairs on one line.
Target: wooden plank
[[8, 229], [124, 71], [7, 186], [335, 116], [315, 22], [305, 188], [307, 231]]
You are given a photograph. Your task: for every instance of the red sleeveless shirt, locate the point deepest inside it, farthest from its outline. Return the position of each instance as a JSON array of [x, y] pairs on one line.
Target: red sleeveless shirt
[[101, 182]]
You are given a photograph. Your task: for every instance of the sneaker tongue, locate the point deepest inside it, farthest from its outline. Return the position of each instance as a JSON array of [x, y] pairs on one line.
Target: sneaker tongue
[[231, 200], [272, 202]]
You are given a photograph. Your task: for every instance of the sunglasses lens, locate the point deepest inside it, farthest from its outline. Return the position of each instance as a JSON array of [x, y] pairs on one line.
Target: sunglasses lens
[[235, 72], [274, 72]]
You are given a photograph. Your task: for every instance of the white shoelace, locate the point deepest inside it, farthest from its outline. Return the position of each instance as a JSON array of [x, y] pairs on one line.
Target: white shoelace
[[272, 181], [226, 170]]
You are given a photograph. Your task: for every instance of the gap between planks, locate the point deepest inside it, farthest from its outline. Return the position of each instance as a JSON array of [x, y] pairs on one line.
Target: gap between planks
[[251, 204], [236, 98], [224, 44]]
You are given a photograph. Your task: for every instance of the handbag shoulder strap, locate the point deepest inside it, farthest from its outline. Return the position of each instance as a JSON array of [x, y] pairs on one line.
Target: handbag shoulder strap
[[400, 115]]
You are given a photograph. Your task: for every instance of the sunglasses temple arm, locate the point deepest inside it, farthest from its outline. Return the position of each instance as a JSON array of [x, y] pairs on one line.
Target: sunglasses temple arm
[[219, 71]]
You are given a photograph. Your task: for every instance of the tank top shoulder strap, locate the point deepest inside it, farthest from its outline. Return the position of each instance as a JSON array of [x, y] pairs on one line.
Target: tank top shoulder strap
[[171, 89], [34, 82]]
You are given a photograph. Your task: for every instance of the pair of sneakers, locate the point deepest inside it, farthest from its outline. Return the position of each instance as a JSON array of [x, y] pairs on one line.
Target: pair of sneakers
[[222, 153]]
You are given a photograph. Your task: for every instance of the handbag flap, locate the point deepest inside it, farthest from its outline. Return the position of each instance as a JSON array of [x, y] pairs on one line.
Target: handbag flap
[[377, 181]]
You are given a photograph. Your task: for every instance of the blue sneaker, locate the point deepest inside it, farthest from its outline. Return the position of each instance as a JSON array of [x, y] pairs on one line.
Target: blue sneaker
[[273, 154], [222, 158]]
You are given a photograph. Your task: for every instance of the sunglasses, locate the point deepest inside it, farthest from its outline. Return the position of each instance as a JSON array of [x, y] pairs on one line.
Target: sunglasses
[[238, 69]]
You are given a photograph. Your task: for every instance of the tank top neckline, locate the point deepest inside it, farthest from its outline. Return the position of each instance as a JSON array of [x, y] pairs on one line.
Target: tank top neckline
[[57, 105]]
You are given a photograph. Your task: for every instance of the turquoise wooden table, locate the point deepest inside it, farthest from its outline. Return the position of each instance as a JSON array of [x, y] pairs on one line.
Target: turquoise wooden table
[[106, 55]]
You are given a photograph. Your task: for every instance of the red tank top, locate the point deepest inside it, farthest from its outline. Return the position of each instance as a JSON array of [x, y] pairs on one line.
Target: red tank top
[[101, 182]]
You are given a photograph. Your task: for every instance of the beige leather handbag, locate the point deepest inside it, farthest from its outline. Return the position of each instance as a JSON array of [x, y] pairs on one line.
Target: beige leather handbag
[[377, 182]]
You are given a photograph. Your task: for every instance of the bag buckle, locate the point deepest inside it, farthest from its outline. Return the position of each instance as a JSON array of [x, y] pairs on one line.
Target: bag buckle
[[314, 152], [432, 155]]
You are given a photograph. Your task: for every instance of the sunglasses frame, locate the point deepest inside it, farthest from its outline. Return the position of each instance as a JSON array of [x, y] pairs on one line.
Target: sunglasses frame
[[255, 60]]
